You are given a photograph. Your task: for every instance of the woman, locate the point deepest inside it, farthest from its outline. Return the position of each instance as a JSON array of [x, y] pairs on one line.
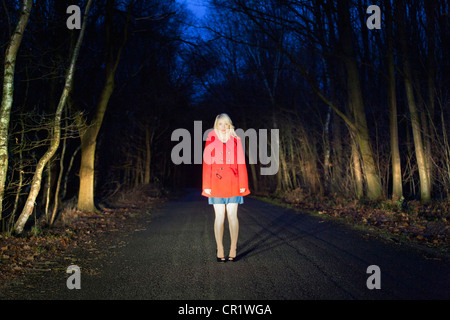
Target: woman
[[225, 180]]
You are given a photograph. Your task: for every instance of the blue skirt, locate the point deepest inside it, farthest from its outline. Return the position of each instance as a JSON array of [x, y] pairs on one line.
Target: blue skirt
[[214, 200]]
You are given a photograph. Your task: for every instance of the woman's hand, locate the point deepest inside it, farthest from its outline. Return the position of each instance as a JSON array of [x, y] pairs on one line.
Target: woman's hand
[[208, 191], [242, 190]]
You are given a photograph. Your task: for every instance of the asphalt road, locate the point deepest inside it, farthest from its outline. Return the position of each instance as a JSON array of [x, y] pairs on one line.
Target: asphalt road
[[282, 255]]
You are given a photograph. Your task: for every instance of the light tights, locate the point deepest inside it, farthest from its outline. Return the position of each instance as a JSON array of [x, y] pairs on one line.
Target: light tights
[[233, 222]]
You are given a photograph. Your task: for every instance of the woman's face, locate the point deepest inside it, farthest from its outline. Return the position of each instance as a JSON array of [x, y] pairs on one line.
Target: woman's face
[[223, 126]]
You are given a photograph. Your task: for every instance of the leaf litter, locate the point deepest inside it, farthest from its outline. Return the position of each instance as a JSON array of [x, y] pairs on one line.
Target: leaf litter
[[74, 234], [413, 221]]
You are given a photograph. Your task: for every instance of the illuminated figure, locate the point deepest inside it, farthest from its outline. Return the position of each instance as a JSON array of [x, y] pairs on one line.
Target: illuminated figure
[[225, 180]]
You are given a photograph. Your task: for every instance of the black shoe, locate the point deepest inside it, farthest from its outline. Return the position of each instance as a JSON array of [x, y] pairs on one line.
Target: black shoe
[[221, 260], [232, 259]]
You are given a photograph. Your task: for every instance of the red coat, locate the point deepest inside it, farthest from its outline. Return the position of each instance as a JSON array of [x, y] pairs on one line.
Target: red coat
[[224, 169]]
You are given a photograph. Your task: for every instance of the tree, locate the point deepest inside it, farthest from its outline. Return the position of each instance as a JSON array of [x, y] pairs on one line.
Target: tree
[[421, 157], [356, 103], [56, 134], [397, 184], [89, 134], [8, 92]]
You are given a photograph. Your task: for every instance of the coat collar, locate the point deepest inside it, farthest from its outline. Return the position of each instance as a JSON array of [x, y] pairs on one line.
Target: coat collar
[[213, 137]]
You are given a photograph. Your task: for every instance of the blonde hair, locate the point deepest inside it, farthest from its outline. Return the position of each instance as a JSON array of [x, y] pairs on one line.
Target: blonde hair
[[226, 117]]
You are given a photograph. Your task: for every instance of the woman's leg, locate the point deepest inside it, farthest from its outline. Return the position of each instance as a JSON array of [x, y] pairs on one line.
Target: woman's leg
[[219, 210], [233, 222]]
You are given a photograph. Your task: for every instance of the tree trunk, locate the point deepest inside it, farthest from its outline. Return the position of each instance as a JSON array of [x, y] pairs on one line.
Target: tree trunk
[[397, 184], [88, 146], [338, 155], [357, 170], [58, 183], [54, 143], [89, 135], [47, 190], [425, 188], [356, 102], [327, 151], [430, 9], [21, 174], [148, 154], [66, 176], [8, 92]]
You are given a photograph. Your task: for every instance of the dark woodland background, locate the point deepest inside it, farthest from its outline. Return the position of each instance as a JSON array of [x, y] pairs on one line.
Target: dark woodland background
[[363, 114]]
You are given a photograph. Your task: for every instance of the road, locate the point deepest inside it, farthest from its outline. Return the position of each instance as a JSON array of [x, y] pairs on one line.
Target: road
[[282, 255]]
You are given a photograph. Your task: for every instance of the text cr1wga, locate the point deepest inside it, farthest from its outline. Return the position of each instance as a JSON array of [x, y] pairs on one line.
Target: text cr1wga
[[228, 309]]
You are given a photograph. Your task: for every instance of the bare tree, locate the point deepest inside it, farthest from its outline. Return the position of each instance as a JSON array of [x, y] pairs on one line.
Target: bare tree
[[425, 183], [56, 134], [356, 102], [90, 133], [8, 91], [397, 184]]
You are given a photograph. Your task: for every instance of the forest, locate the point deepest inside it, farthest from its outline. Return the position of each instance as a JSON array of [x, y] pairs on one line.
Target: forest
[[88, 112]]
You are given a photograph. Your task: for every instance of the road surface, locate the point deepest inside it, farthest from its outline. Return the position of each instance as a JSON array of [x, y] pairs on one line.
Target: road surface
[[282, 255]]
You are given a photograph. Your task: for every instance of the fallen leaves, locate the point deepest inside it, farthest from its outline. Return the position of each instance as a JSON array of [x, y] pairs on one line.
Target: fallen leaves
[[427, 224], [74, 229], [20, 254]]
